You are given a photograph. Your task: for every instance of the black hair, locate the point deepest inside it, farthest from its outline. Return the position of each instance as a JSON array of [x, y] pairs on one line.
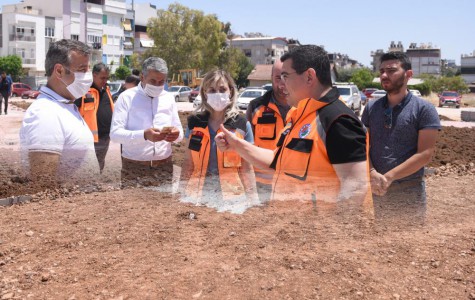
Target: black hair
[[60, 53], [310, 56], [132, 79], [399, 56], [99, 67]]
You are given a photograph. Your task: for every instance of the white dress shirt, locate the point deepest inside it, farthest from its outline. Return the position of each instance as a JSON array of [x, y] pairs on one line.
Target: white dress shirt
[[134, 112], [53, 124]]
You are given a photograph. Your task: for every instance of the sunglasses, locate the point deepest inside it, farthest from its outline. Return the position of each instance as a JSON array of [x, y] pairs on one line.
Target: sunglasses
[[388, 118]]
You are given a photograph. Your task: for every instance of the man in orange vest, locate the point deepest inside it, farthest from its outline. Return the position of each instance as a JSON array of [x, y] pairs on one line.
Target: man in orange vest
[[322, 153], [96, 108], [267, 116]]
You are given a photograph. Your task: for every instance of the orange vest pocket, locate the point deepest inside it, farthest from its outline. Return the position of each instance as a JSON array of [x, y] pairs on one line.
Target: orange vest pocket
[[296, 158], [89, 106], [265, 131], [231, 159]]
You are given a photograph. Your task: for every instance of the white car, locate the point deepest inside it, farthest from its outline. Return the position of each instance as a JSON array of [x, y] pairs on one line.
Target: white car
[[179, 92], [197, 101], [350, 95], [248, 95], [377, 94], [416, 93]]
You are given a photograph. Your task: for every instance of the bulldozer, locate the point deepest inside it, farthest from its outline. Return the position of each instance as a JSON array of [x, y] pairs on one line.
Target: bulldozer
[[186, 77]]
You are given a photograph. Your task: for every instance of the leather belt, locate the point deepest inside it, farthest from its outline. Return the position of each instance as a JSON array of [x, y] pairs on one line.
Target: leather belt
[[149, 163]]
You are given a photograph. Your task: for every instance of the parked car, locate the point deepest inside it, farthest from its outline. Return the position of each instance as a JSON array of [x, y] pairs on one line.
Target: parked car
[[416, 93], [450, 98], [194, 93], [248, 95], [115, 86], [31, 94], [369, 91], [377, 94], [350, 95], [267, 86], [179, 92], [364, 99], [18, 88], [197, 101]]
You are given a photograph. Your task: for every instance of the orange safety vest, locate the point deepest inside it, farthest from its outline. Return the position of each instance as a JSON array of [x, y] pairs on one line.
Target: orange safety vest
[[267, 123], [303, 169], [229, 162], [89, 107]]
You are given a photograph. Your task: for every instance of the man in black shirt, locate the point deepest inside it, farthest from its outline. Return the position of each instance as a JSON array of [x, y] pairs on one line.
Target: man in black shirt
[[5, 90], [96, 107]]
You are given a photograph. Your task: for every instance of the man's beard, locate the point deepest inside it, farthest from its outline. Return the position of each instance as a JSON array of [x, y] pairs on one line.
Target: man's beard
[[395, 87]]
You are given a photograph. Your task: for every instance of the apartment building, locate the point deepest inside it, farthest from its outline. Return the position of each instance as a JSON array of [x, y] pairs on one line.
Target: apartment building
[[261, 50], [467, 67], [425, 58], [143, 12], [27, 28]]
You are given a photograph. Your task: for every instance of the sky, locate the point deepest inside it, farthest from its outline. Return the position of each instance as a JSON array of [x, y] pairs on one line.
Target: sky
[[352, 27]]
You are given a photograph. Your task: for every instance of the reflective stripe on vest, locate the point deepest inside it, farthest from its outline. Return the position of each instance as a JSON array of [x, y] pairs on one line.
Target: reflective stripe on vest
[[303, 169], [267, 123], [89, 107], [229, 163]]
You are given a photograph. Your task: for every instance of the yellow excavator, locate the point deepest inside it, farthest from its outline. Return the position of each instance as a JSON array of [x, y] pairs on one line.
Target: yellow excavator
[[186, 77]]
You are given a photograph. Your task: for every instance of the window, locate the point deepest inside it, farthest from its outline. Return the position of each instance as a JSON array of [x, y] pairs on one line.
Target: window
[[49, 32], [247, 52], [104, 19], [75, 37]]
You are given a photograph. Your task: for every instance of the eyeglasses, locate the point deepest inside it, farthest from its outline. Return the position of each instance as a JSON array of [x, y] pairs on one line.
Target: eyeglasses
[[388, 118], [284, 76]]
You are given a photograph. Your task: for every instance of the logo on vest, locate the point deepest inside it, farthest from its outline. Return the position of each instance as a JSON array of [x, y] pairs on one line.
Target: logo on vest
[[305, 130]]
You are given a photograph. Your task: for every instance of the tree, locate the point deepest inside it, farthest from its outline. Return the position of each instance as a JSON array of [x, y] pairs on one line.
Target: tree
[[186, 38], [122, 72], [12, 65], [362, 78], [344, 75], [237, 64]]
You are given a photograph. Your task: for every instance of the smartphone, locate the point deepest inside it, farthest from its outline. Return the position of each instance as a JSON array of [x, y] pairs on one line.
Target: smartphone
[[167, 129]]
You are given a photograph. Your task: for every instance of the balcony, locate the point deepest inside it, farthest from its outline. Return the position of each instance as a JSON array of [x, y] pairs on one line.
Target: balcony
[[95, 46], [28, 61], [22, 38]]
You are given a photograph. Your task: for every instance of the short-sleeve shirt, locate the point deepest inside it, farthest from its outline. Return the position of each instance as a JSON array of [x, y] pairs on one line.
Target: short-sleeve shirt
[[390, 147], [52, 125]]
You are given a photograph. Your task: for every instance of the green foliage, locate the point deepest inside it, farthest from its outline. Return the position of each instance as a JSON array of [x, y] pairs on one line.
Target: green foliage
[[136, 61], [344, 75], [122, 72], [362, 78], [12, 65], [440, 84], [237, 64], [424, 88], [186, 38]]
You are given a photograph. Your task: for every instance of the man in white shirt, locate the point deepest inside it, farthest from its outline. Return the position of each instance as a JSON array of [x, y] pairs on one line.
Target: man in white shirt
[[145, 121], [56, 143]]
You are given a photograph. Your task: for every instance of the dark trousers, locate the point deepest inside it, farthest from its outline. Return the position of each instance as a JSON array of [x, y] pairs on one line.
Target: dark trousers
[[101, 147], [157, 173], [4, 97]]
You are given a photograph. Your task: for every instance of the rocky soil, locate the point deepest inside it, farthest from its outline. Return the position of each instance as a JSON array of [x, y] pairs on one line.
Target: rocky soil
[[100, 242]]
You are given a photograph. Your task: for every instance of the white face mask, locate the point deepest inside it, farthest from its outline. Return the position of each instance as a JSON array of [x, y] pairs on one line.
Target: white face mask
[[81, 84], [218, 101], [153, 90]]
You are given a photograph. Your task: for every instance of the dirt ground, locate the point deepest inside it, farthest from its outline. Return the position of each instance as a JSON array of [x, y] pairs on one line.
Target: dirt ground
[[138, 243]]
